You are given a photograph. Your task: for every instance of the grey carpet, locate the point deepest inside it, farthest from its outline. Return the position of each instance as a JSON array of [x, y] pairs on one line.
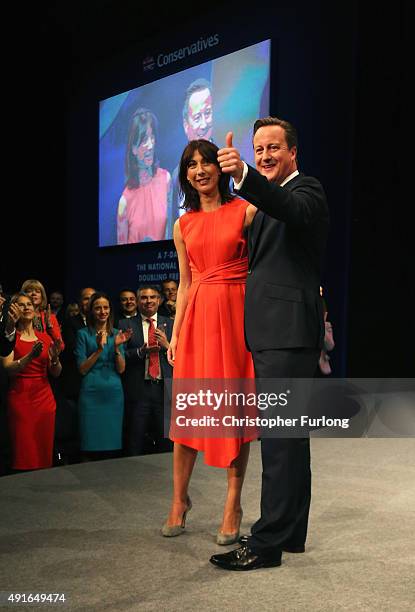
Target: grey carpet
[[91, 531]]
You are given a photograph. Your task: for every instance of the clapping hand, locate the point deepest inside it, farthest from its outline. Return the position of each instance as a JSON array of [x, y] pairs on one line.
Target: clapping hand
[[161, 336], [13, 315], [145, 349], [101, 339], [54, 350], [123, 336], [37, 348], [48, 317]]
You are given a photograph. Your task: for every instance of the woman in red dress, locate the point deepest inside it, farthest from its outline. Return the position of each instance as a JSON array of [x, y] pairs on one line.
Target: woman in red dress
[[31, 404], [143, 209], [208, 333], [44, 320]]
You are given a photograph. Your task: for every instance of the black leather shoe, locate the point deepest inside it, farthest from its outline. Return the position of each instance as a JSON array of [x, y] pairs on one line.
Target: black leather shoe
[[244, 559], [290, 549]]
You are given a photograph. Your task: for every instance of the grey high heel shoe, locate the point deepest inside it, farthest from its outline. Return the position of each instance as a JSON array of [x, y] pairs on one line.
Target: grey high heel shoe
[[170, 531], [224, 539]]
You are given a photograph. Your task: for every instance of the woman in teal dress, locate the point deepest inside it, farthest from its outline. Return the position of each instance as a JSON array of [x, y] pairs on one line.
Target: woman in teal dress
[[100, 356]]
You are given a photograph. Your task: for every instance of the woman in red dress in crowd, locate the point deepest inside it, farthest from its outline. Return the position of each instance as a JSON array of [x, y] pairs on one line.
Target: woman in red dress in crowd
[[45, 320], [208, 334], [31, 404]]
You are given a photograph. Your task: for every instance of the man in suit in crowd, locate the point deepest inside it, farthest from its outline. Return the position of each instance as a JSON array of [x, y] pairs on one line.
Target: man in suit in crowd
[[9, 315], [71, 378], [146, 369], [57, 307], [283, 323], [127, 305], [69, 384], [169, 289]]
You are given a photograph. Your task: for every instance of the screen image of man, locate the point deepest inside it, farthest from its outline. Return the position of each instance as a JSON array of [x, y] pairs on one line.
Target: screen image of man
[[197, 124]]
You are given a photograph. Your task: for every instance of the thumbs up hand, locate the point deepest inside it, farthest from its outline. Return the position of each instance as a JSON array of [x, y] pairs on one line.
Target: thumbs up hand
[[229, 159]]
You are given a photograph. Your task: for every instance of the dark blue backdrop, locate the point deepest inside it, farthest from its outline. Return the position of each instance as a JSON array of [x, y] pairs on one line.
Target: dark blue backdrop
[[312, 85]]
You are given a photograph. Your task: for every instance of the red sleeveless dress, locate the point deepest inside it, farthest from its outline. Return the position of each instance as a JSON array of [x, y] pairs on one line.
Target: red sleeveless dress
[[31, 408], [211, 341]]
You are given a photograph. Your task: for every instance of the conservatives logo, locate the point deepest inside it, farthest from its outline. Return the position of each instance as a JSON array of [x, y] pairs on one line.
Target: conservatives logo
[[148, 63], [169, 58]]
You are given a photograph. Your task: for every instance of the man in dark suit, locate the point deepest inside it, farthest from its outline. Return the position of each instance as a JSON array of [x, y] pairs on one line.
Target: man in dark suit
[[57, 306], [283, 323], [169, 289], [127, 306], [67, 387], [146, 369], [9, 315], [70, 377]]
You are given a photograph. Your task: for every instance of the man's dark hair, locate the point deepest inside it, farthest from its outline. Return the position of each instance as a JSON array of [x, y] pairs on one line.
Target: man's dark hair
[[125, 289], [198, 85], [209, 152], [151, 287], [290, 131], [169, 280]]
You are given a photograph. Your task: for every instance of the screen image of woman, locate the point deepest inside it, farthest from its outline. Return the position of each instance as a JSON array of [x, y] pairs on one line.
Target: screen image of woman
[[144, 206]]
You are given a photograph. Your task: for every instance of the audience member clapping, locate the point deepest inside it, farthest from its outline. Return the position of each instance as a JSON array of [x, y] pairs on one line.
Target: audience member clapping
[[31, 404], [45, 320], [100, 357]]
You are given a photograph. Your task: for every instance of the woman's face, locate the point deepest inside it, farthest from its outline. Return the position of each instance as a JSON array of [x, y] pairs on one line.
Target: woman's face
[[101, 310], [26, 306], [203, 175], [144, 151], [36, 296]]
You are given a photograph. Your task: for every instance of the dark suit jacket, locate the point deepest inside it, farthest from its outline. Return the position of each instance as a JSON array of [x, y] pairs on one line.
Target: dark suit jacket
[[133, 377], [6, 346], [70, 379], [286, 243]]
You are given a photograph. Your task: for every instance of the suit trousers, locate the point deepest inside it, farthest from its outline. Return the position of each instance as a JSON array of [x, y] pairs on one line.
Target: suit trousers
[[145, 417], [286, 473]]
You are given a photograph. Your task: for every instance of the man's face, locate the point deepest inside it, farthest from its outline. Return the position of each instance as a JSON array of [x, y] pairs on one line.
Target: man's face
[[85, 297], [198, 124], [148, 302], [170, 291], [273, 158], [128, 303], [56, 300]]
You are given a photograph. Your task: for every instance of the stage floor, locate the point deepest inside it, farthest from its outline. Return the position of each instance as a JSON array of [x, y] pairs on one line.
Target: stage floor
[[92, 532]]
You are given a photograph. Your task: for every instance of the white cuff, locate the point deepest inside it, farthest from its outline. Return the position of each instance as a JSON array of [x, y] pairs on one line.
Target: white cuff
[[241, 182]]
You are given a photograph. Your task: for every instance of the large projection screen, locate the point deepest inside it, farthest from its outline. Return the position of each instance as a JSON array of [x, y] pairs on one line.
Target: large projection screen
[[148, 127]]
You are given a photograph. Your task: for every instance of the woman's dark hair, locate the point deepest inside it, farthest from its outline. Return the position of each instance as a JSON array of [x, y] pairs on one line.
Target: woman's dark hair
[[140, 121], [209, 152], [90, 316]]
